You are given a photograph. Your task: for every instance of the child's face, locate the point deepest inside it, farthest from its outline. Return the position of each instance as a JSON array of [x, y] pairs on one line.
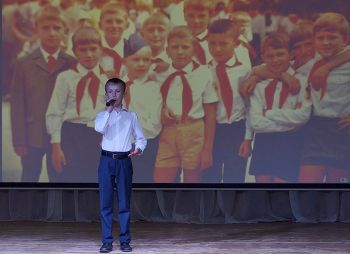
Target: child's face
[[303, 51], [221, 46], [88, 55], [155, 34], [180, 50], [277, 60], [115, 92], [138, 64], [328, 43], [113, 25], [197, 20], [50, 33]]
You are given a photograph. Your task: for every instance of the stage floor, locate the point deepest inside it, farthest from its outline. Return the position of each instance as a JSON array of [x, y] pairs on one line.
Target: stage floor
[[168, 238]]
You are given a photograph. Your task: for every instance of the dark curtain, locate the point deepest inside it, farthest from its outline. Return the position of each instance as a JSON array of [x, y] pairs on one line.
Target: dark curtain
[[183, 206]]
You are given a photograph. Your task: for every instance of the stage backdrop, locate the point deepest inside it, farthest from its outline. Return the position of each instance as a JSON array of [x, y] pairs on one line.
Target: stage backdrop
[[35, 105]]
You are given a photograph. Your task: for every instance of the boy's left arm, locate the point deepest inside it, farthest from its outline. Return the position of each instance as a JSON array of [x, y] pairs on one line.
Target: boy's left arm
[[209, 132], [319, 76]]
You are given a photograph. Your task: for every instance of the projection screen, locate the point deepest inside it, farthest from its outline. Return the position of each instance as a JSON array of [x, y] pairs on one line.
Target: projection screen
[[250, 100]]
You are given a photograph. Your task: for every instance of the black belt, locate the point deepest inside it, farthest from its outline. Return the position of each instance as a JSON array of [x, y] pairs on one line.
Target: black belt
[[115, 155]]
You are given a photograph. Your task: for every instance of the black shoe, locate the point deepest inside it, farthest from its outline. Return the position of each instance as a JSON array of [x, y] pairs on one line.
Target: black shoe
[[106, 247], [125, 247]]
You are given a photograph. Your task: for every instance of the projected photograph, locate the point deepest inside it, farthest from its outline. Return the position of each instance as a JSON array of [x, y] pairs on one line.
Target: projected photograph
[[226, 91]]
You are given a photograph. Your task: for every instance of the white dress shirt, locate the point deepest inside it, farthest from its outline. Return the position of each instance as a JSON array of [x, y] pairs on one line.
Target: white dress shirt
[[202, 87], [336, 101], [118, 129], [204, 44], [146, 100], [295, 111], [236, 75], [62, 105], [46, 54]]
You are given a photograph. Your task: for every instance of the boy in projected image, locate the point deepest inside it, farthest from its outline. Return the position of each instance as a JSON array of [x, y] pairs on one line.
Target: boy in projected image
[[154, 31], [197, 15], [118, 126], [276, 116], [113, 23], [232, 143], [143, 96], [326, 155], [32, 86], [77, 97], [188, 114], [303, 53]]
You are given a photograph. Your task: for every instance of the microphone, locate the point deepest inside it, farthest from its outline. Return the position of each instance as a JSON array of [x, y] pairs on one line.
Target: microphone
[[110, 103]]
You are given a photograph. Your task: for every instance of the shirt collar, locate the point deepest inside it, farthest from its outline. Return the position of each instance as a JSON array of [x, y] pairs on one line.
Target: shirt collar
[[187, 69], [138, 81], [83, 70], [119, 47], [230, 62], [46, 54], [202, 35], [163, 56]]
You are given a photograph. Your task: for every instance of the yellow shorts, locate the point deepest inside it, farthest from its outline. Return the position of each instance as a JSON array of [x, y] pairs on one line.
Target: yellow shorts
[[181, 144]]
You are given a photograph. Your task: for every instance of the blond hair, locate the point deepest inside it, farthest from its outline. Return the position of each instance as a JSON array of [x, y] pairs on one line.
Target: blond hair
[[48, 12], [112, 8], [206, 5], [86, 35], [275, 40], [333, 22], [182, 32]]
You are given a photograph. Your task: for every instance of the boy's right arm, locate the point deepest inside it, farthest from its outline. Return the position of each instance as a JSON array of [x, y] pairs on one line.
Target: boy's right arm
[[261, 72], [18, 112], [54, 121], [101, 121]]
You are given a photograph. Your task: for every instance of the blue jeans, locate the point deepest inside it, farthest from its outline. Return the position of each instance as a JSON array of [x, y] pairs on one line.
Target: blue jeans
[[115, 173]]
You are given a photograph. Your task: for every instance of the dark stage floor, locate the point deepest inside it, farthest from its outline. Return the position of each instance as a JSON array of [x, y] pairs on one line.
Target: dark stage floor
[[168, 238]]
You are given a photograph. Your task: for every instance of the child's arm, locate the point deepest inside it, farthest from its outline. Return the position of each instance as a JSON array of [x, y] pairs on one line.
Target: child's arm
[[140, 140], [256, 116], [292, 117], [18, 112], [54, 121], [344, 123], [209, 132], [319, 76], [101, 121], [261, 72], [245, 148]]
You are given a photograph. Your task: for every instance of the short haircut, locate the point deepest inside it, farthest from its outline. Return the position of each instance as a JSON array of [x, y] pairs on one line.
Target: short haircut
[[224, 26], [302, 31], [48, 12], [157, 18], [115, 81], [200, 5], [86, 35], [182, 32], [240, 17], [275, 40], [332, 22], [112, 8]]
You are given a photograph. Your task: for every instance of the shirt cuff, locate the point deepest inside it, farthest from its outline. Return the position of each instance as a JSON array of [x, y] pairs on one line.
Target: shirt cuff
[[55, 138]]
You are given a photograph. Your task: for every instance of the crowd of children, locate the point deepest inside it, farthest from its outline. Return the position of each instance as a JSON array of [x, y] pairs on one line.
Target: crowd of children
[[207, 97]]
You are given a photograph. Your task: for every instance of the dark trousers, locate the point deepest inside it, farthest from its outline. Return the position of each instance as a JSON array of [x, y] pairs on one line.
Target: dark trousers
[[115, 173], [81, 148], [227, 167], [32, 164], [144, 165]]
